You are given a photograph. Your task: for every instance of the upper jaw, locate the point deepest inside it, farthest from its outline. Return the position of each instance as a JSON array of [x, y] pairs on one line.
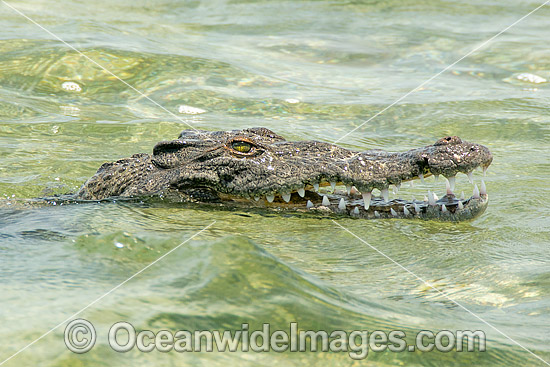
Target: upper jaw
[[437, 159], [364, 170], [449, 159]]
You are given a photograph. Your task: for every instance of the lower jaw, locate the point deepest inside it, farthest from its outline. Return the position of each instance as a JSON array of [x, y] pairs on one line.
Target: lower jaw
[[447, 208]]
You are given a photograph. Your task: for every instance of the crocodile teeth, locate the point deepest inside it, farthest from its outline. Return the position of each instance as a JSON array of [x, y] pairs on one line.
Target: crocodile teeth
[[431, 198], [411, 183], [316, 187], [406, 211], [366, 199], [443, 208], [325, 202], [470, 176], [356, 210], [452, 182], [462, 195], [393, 212], [386, 194], [354, 190], [342, 204], [270, 198], [286, 197], [460, 205], [485, 171], [301, 192], [256, 198], [421, 177], [426, 198], [376, 214], [333, 185], [309, 204], [436, 178], [396, 188], [448, 187], [436, 197], [348, 189], [483, 188], [416, 208], [476, 192]]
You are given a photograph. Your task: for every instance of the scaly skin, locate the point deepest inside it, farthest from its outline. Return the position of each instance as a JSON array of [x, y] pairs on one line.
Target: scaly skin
[[243, 168]]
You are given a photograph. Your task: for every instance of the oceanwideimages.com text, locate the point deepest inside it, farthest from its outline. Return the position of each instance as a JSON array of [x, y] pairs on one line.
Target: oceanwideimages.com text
[[122, 337]]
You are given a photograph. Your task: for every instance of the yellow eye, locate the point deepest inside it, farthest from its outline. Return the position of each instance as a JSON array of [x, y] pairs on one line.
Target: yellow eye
[[241, 146]]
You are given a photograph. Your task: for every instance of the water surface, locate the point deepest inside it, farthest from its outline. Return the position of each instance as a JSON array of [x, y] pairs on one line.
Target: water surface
[[307, 70]]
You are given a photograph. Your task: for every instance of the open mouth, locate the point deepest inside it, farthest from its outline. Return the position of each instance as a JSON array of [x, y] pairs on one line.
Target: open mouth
[[338, 198]]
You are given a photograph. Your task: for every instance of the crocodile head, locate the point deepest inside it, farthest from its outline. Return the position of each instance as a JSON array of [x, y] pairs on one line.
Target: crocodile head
[[256, 167]]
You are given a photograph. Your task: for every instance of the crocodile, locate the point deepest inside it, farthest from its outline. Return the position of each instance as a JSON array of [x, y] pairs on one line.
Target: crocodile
[[257, 168]]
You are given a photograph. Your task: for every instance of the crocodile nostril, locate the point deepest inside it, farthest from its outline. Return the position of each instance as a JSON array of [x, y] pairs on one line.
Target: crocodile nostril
[[448, 140]]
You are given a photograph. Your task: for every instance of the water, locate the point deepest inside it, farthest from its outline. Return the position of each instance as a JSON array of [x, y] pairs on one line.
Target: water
[[307, 70]]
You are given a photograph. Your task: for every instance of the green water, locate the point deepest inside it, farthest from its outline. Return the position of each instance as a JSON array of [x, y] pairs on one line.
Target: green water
[[307, 70]]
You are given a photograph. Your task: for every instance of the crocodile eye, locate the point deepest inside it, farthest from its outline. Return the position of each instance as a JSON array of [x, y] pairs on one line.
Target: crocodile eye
[[241, 146]]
